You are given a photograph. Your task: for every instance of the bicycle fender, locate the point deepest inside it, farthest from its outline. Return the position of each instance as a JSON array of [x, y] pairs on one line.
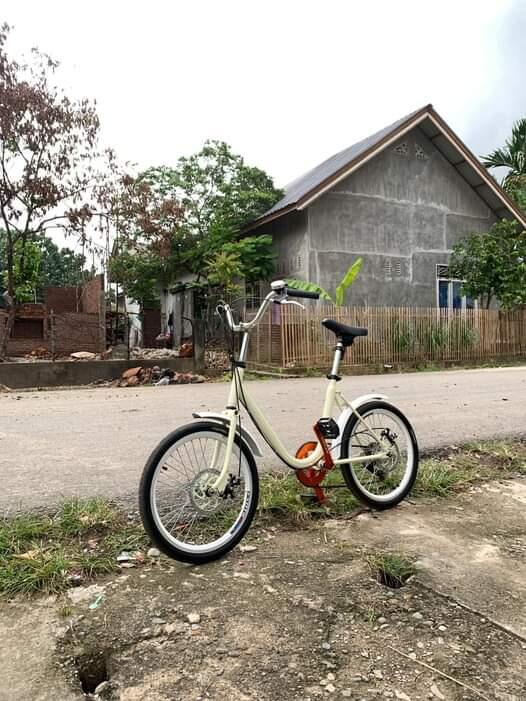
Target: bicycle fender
[[356, 404], [221, 419]]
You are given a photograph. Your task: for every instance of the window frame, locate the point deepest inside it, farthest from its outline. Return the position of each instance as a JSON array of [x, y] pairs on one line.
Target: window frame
[[450, 290]]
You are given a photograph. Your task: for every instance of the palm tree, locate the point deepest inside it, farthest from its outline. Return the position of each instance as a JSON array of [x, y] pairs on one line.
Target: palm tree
[[512, 157]]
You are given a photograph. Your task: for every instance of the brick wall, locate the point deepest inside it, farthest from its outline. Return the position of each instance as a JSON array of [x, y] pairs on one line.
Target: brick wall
[[24, 344], [77, 332], [63, 299], [71, 332], [91, 295]]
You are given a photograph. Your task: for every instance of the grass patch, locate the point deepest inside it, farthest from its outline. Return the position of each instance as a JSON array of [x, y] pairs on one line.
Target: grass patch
[[391, 569], [285, 497], [50, 554], [78, 517], [442, 478], [474, 463], [15, 534]]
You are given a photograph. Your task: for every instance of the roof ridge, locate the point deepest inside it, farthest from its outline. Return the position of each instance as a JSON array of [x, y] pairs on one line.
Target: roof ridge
[[307, 187]]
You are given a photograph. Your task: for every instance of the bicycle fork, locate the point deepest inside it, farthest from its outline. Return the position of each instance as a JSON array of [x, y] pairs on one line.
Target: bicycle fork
[[221, 481]]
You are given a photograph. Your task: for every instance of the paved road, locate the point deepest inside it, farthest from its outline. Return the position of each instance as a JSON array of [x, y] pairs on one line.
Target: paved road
[[85, 442]]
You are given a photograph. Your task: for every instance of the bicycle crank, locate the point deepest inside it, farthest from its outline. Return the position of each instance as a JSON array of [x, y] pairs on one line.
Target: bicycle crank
[[311, 476]]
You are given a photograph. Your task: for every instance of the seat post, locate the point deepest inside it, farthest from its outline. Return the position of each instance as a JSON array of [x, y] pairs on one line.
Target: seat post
[[338, 355]]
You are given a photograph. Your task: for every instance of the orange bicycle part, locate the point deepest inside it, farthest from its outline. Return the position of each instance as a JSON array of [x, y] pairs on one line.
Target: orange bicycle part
[[311, 476]]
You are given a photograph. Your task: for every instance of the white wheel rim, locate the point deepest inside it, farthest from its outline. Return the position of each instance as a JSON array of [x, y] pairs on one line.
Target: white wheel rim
[[395, 493], [247, 486]]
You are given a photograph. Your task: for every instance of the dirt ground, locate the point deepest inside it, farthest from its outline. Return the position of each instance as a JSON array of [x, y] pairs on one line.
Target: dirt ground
[[59, 444], [298, 617]]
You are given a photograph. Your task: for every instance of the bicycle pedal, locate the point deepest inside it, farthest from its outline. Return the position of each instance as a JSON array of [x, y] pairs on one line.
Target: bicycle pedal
[[328, 428]]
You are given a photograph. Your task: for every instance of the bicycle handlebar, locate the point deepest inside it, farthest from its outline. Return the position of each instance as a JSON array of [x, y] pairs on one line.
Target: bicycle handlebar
[[278, 295], [290, 292]]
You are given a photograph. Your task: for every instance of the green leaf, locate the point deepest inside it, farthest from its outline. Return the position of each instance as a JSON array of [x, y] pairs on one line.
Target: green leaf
[[308, 287], [348, 279]]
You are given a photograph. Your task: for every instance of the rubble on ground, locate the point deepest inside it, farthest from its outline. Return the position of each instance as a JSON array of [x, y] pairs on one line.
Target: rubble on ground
[[217, 359], [40, 353], [185, 351], [153, 353], [83, 355], [157, 376]]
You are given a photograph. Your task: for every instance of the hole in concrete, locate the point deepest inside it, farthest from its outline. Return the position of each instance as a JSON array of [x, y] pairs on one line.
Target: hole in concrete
[[393, 581], [393, 570], [92, 670]]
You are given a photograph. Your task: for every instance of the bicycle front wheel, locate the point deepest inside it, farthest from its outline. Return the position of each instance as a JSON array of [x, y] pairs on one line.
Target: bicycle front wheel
[[182, 516], [380, 483]]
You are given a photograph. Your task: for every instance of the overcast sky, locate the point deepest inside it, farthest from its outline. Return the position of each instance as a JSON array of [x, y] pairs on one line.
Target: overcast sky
[[286, 82]]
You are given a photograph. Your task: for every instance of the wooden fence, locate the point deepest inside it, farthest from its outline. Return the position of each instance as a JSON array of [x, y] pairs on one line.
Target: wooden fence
[[292, 338]]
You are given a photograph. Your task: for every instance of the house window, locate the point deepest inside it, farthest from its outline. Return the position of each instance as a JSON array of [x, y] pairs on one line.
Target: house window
[[28, 328], [449, 292]]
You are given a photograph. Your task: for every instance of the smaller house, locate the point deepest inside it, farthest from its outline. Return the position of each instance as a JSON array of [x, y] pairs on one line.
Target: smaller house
[[71, 319]]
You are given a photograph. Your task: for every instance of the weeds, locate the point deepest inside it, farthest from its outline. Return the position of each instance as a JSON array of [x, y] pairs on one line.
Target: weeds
[[284, 495], [82, 540], [441, 478], [391, 569], [41, 553], [77, 517]]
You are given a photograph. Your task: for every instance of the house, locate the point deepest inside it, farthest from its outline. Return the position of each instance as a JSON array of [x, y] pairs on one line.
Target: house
[[401, 199]]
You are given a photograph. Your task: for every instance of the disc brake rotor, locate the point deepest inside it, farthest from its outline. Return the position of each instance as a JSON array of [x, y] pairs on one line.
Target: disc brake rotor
[[202, 500], [384, 466]]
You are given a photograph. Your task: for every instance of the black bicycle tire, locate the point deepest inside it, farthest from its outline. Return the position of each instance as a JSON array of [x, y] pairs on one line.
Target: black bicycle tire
[[347, 473], [148, 473]]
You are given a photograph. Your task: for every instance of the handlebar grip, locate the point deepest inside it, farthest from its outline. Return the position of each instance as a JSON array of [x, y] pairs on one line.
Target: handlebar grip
[[302, 293]]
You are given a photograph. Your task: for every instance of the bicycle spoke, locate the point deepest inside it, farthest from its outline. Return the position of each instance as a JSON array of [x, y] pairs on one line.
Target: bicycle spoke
[[187, 508], [380, 476]]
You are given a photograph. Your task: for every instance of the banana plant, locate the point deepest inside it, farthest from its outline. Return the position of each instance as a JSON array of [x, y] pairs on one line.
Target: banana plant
[[339, 297]]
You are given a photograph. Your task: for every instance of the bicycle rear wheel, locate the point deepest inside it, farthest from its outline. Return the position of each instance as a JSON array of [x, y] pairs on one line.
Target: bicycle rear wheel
[[179, 512], [380, 483]]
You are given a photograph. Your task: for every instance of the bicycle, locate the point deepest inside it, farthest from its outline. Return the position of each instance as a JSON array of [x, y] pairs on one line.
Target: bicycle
[[199, 489]]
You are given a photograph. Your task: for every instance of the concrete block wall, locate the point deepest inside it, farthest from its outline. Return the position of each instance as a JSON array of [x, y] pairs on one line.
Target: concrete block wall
[[403, 212]]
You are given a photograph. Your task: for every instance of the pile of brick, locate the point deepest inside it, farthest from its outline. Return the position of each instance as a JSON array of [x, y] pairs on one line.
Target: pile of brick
[[185, 351], [39, 353], [217, 359], [157, 376]]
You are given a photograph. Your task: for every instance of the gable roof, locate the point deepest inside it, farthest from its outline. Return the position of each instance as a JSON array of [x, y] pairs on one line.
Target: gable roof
[[308, 187]]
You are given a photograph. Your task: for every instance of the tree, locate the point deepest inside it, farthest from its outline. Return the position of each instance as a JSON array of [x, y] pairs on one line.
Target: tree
[[215, 194], [45, 266], [60, 267], [250, 259], [512, 157], [25, 281], [50, 163], [151, 246], [493, 265], [339, 297], [219, 195]]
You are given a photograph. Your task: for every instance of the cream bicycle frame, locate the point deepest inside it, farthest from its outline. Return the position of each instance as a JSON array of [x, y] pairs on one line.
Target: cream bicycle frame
[[239, 394]]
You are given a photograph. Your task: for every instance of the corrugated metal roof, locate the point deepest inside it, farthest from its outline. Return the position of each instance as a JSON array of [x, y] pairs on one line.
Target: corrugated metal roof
[[307, 182], [316, 181]]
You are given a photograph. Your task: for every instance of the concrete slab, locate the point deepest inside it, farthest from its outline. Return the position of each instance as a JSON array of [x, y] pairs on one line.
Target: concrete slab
[[472, 548]]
